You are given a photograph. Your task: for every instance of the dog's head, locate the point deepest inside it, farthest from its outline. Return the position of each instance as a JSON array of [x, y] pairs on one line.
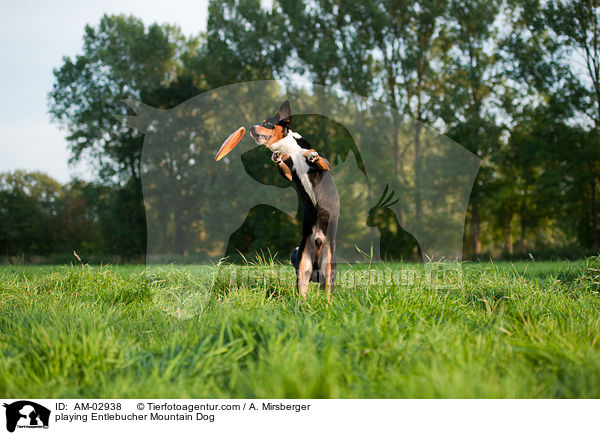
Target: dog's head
[[273, 129]]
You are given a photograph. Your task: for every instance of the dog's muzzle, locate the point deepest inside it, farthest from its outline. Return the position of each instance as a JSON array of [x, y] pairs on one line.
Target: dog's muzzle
[[260, 139]]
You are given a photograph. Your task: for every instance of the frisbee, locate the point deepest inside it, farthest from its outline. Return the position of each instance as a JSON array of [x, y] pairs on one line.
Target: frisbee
[[230, 143]]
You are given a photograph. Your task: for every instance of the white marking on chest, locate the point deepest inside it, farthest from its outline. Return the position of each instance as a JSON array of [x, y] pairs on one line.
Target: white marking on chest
[[288, 145]]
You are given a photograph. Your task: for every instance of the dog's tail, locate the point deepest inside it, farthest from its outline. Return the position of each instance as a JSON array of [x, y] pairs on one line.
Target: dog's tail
[[319, 239], [294, 258]]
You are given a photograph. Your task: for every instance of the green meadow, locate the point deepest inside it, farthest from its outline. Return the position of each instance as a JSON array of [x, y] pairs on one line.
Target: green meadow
[[482, 330]]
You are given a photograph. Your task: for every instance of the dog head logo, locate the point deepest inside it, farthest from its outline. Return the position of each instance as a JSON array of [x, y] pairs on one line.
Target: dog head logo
[[26, 414]]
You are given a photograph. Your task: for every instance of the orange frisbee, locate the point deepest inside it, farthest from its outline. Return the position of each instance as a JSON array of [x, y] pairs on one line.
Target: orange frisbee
[[230, 143]]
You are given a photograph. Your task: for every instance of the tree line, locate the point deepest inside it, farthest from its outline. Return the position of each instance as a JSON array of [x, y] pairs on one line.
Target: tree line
[[44, 221], [515, 82]]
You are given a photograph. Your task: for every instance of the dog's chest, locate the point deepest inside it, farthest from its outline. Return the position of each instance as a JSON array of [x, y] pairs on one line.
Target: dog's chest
[[289, 146]]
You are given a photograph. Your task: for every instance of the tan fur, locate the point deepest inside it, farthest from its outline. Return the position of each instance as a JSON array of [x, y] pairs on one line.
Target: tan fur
[[325, 268], [279, 160], [275, 135], [319, 162], [305, 268]]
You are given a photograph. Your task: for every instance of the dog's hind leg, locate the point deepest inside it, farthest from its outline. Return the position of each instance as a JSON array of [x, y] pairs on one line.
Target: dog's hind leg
[[305, 268], [327, 272]]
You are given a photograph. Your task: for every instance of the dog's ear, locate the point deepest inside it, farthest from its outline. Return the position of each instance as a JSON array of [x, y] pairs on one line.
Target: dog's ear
[[285, 113]]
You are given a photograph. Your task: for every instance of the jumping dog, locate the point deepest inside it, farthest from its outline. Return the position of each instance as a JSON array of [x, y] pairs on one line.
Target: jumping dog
[[297, 161]]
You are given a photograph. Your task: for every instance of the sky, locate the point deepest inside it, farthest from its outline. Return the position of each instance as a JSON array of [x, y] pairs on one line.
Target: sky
[[34, 37]]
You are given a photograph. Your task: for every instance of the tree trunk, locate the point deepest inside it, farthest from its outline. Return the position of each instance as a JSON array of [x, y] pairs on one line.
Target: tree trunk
[[594, 218], [475, 221], [508, 237], [396, 145], [523, 241], [418, 204], [391, 85]]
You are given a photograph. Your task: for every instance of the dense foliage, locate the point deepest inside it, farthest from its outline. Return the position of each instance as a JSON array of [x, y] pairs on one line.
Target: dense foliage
[[517, 83]]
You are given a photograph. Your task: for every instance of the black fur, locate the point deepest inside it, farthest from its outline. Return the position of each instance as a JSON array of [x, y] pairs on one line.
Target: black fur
[[324, 216], [319, 219]]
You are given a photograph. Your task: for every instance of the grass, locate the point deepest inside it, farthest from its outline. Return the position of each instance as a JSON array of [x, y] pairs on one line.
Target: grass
[[523, 330]]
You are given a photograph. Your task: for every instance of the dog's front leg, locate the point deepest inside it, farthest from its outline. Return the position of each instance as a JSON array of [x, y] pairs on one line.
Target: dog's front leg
[[314, 160], [305, 269], [280, 161]]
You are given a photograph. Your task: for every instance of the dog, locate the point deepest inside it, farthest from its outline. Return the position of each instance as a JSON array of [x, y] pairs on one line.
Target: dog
[[298, 162]]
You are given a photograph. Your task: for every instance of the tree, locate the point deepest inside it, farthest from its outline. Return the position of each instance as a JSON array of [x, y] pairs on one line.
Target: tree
[[243, 42], [576, 27], [122, 59], [407, 38], [547, 57], [28, 208], [470, 83]]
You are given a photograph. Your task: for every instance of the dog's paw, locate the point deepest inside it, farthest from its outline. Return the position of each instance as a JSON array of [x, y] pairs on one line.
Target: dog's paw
[[312, 156], [276, 157]]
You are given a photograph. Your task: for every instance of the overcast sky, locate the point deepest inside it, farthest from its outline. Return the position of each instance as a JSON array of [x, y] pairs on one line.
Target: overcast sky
[[34, 36]]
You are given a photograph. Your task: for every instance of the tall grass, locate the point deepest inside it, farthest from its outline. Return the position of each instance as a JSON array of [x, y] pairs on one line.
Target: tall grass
[[498, 330]]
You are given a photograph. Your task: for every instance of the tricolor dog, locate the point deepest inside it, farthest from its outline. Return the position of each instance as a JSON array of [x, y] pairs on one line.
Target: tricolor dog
[[314, 259]]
